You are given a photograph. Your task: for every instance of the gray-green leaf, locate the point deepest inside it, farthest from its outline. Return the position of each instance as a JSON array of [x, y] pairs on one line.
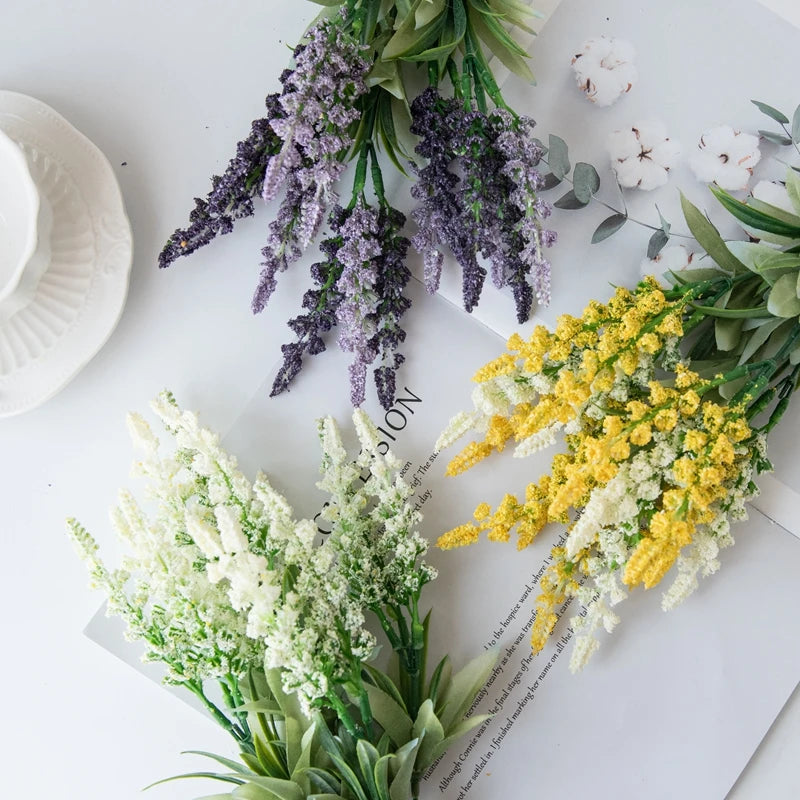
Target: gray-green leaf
[[608, 227], [708, 237], [796, 125], [727, 333], [463, 688], [656, 244], [558, 156], [775, 138], [778, 116], [569, 201], [585, 181]]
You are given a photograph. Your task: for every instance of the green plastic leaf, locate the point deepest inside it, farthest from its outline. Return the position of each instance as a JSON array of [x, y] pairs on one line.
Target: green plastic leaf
[[400, 787], [440, 680], [427, 11], [323, 779], [265, 706], [733, 313], [495, 37], [215, 776], [569, 201], [796, 126], [793, 188], [657, 243], [783, 300], [775, 138], [384, 682], [462, 729], [325, 797], [558, 156], [752, 218], [382, 775], [328, 2], [463, 688], [708, 237], [391, 716], [585, 181], [608, 227], [269, 757], [276, 788], [757, 339], [764, 260], [428, 723], [771, 112], [226, 762], [516, 14], [794, 356], [685, 276], [295, 723], [727, 333], [367, 759]]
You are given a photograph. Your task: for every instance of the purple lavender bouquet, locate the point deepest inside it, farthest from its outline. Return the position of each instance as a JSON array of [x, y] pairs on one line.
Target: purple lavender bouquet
[[475, 181]]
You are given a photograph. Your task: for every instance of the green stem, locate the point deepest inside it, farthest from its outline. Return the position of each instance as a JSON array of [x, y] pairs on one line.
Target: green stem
[[196, 688], [377, 176], [351, 726]]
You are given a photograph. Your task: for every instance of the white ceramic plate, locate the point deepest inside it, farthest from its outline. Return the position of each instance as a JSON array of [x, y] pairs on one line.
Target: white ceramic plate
[[81, 294]]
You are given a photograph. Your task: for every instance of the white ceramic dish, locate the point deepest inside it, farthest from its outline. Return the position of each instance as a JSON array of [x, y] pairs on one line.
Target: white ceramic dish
[[84, 265], [19, 212]]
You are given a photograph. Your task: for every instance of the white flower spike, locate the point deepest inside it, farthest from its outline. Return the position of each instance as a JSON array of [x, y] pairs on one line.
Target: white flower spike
[[643, 155], [604, 69], [726, 157]]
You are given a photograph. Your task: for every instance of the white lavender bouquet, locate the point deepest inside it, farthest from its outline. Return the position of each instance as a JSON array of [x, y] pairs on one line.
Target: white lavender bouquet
[[225, 586], [346, 95]]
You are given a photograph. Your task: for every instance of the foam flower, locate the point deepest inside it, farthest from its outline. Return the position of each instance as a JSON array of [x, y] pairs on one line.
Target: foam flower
[[604, 69], [726, 157], [642, 155], [671, 259]]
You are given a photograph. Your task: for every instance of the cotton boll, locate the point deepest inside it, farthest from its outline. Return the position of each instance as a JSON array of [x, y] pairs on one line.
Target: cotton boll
[[604, 69], [773, 193], [671, 259], [726, 157], [642, 155]]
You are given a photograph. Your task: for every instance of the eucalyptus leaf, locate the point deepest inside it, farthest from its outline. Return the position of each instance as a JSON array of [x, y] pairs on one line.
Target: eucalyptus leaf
[[708, 237], [550, 181], [569, 201], [783, 300], [608, 227], [778, 116], [775, 138], [656, 244], [558, 156], [585, 181], [796, 126]]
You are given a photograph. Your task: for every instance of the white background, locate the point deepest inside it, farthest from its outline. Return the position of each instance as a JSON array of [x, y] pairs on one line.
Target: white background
[[167, 89]]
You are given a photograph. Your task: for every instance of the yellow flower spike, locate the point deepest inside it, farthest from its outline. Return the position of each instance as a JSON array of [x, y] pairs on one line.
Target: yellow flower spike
[[459, 537], [515, 343], [604, 381], [671, 325], [594, 313], [713, 417], [636, 409], [652, 302], [629, 361], [499, 432], [650, 343], [605, 472], [685, 377], [689, 402], [685, 470], [695, 440], [503, 365], [567, 327], [612, 425], [666, 419], [503, 519], [737, 430], [468, 457], [641, 434], [482, 512], [711, 477], [620, 450], [632, 321], [560, 351], [722, 450]]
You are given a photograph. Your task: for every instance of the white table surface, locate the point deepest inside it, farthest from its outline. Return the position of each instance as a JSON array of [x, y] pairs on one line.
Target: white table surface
[[167, 89]]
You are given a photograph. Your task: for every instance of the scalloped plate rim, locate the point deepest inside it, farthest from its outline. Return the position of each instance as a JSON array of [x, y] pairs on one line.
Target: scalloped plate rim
[[81, 341]]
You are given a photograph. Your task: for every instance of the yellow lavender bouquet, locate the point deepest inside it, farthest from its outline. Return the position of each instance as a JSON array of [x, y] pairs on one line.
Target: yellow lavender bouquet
[[665, 397], [278, 633], [352, 92]]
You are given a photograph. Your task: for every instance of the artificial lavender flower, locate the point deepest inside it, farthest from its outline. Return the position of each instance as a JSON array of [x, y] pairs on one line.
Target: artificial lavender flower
[[478, 195], [361, 291], [231, 195]]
